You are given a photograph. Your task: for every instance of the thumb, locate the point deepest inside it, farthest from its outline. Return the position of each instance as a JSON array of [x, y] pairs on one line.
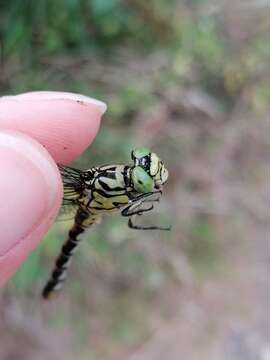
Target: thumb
[[30, 197]]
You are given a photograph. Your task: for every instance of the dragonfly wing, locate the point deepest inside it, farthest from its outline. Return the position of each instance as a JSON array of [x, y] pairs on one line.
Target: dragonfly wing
[[74, 186], [73, 182]]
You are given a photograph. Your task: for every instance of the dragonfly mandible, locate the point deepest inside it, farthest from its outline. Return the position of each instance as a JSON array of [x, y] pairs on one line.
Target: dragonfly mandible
[[88, 195]]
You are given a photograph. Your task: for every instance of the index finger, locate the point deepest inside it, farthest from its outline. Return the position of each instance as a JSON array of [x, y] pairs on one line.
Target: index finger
[[64, 123]]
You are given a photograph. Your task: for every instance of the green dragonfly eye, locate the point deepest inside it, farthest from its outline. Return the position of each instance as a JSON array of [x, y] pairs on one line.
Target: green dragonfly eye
[[143, 183]]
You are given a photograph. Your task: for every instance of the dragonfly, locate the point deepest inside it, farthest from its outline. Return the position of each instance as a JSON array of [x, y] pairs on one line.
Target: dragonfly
[[131, 190]]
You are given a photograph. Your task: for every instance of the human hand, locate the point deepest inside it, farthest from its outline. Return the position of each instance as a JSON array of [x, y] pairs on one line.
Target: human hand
[[37, 130]]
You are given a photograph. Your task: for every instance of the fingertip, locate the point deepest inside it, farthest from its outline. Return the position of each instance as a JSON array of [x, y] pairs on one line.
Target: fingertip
[[57, 95], [64, 123]]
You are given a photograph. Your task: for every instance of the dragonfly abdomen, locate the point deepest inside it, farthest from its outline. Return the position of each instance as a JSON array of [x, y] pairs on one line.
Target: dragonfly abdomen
[[63, 262]]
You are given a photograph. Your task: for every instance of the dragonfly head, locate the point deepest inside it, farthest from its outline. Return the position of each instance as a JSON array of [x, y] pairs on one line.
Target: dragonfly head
[[149, 172]]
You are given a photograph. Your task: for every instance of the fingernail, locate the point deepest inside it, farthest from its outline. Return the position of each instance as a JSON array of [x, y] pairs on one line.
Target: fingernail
[[55, 95], [29, 185]]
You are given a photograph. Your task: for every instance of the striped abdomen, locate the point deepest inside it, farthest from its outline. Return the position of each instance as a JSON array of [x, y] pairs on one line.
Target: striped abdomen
[[82, 220], [63, 262]]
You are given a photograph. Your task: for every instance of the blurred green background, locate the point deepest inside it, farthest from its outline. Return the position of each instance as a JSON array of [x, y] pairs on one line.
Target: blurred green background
[[190, 79]]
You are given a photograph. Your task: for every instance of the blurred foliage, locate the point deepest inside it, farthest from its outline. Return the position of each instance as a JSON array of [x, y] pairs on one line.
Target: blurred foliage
[[203, 248], [37, 36]]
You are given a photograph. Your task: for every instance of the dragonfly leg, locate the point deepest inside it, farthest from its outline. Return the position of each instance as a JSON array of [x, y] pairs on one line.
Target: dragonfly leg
[[137, 202], [155, 200], [144, 197], [139, 227], [133, 210]]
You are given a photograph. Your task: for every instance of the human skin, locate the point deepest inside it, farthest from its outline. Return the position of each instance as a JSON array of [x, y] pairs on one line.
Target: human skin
[[37, 130]]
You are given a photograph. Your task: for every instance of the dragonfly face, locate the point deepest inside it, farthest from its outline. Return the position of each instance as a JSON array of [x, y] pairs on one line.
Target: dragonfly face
[[152, 166]]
